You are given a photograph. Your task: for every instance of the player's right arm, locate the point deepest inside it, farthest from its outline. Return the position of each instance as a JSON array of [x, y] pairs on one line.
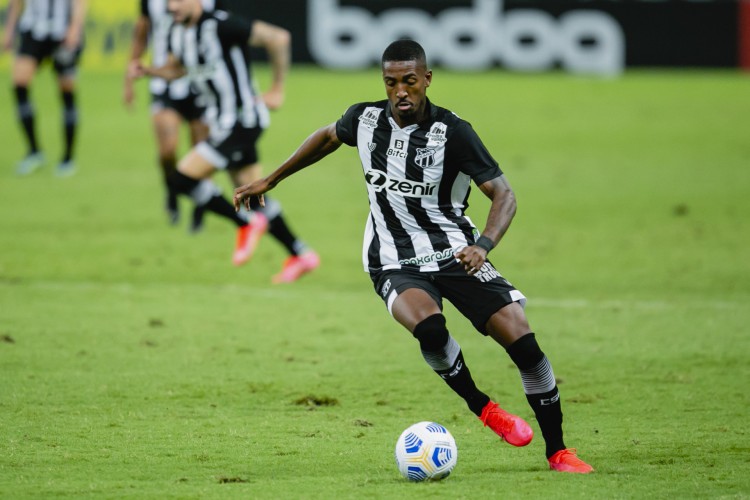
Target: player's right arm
[[172, 70], [278, 44], [74, 34], [320, 144], [14, 12], [137, 49]]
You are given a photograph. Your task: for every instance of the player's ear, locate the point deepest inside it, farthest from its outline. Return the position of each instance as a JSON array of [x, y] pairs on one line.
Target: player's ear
[[428, 77]]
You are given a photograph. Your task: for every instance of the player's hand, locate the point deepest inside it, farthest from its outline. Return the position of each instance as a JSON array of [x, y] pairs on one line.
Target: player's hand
[[7, 41], [274, 98], [128, 94], [72, 40], [472, 258], [135, 70], [243, 194]]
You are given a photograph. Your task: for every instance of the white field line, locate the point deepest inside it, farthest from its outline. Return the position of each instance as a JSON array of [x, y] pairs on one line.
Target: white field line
[[293, 294]]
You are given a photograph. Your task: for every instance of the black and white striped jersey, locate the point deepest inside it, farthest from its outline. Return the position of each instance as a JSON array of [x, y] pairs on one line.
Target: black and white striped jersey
[[418, 182], [46, 19], [160, 20], [216, 54]]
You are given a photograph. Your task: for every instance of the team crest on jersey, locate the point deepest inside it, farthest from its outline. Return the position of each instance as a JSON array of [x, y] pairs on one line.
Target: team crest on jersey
[[371, 146], [425, 157], [437, 133], [370, 117]]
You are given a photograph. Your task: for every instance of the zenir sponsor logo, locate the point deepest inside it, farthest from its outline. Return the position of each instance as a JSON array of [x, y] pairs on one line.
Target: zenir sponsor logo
[[402, 187]]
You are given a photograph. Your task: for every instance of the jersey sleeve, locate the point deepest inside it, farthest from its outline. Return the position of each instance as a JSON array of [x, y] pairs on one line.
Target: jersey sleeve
[[471, 156], [144, 9], [232, 29], [346, 126]]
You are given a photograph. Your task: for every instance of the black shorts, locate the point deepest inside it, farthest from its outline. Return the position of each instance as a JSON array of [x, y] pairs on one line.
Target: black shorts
[[231, 149], [188, 107], [65, 62], [477, 297]]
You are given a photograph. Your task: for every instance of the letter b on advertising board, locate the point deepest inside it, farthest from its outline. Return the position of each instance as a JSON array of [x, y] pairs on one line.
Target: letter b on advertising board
[[469, 38]]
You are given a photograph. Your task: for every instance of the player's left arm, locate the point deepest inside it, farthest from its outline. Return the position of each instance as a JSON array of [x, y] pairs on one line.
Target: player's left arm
[[277, 42], [74, 35]]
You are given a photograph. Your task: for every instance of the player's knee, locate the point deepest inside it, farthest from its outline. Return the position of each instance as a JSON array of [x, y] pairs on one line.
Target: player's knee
[[22, 93], [525, 352], [432, 333], [168, 158], [181, 183], [67, 85]]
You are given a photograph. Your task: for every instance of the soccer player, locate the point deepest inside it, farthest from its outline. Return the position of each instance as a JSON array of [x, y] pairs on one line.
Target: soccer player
[[213, 49], [48, 29], [171, 102], [420, 247]]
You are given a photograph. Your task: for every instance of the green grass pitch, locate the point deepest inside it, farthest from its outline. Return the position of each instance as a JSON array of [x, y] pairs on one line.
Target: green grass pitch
[[137, 362]]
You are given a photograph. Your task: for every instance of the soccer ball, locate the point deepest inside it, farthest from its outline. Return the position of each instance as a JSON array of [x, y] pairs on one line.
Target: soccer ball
[[426, 451]]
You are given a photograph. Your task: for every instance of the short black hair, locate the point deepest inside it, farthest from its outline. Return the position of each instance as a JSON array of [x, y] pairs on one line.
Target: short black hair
[[404, 50]]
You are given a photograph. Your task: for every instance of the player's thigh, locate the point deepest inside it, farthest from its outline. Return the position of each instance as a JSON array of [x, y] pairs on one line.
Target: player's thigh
[[246, 174], [478, 297], [24, 69], [412, 306], [196, 166], [410, 297], [167, 130], [198, 131], [508, 324]]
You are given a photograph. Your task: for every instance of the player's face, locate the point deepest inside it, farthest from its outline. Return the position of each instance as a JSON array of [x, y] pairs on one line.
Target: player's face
[[183, 11], [406, 84]]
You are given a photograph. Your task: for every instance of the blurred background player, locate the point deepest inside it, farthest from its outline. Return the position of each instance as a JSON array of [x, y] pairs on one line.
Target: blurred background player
[[213, 48], [171, 102], [48, 29]]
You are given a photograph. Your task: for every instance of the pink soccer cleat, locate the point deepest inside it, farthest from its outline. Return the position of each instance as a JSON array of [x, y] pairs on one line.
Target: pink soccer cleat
[[248, 237], [296, 266], [513, 429], [567, 461]]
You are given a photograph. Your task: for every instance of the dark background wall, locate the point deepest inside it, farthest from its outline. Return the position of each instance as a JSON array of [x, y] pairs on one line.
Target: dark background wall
[[699, 33]]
